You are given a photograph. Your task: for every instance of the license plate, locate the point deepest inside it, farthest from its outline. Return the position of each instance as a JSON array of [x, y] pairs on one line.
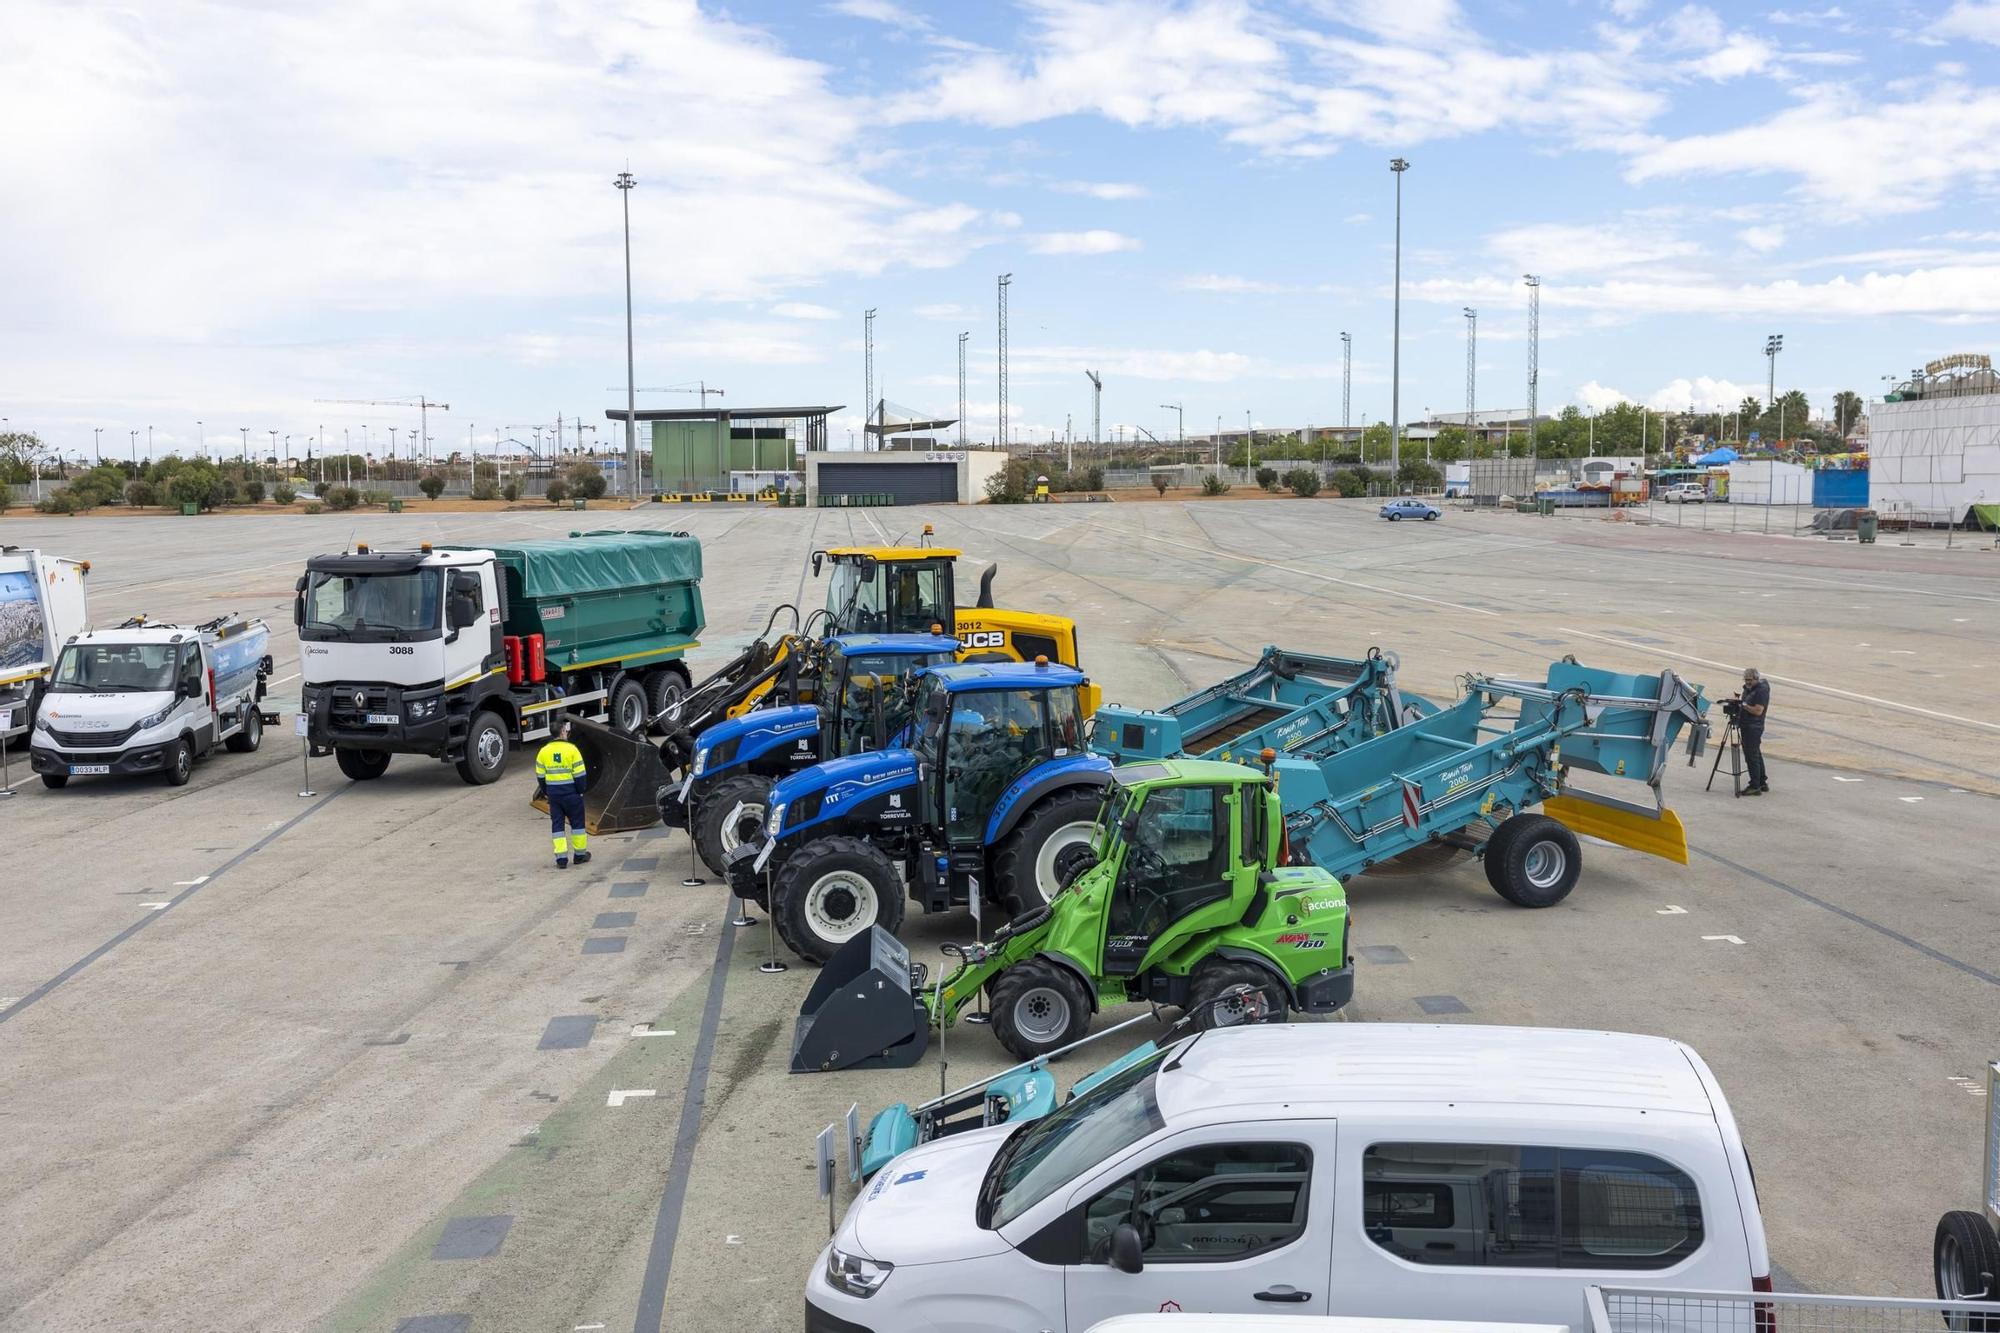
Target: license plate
[[687, 785], [381, 719], [88, 770]]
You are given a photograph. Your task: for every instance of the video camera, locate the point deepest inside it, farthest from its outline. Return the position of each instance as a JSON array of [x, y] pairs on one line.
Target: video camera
[[1733, 706]]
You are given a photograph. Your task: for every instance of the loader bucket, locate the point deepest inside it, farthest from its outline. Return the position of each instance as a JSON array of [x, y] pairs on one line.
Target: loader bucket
[[625, 779], [861, 1012]]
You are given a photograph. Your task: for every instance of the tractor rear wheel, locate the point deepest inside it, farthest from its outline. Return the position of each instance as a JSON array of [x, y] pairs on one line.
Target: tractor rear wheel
[[1038, 1006], [729, 816], [1217, 975], [832, 890], [1538, 863], [1027, 872]]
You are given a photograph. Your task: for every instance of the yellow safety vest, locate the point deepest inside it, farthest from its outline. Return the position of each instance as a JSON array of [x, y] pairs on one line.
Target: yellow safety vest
[[559, 764]]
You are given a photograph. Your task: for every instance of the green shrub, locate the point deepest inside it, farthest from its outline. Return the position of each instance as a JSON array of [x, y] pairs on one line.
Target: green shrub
[[375, 496], [485, 490], [587, 481], [340, 497], [1267, 478], [558, 491], [510, 492], [6, 496], [1214, 485], [432, 485], [312, 509], [141, 494], [1303, 481], [1420, 474], [283, 494], [59, 502], [1160, 484], [197, 484], [253, 491], [1355, 481], [1010, 485]]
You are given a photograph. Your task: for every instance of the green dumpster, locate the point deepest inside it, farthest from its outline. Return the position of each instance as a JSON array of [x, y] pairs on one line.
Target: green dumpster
[[1546, 506], [190, 510], [579, 503], [1865, 523], [395, 506]]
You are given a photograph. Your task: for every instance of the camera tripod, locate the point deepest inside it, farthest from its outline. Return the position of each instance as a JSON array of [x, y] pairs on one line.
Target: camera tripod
[[1731, 743]]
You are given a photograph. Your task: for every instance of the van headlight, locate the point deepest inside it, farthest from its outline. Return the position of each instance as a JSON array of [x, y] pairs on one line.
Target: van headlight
[[855, 1275], [152, 720]]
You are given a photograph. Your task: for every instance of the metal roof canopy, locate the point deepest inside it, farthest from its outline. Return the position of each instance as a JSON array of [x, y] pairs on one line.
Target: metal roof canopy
[[721, 413]]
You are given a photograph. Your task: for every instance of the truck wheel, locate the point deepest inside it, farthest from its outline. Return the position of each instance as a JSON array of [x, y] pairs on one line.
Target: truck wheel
[[1217, 975], [1538, 864], [55, 781], [1966, 1260], [1026, 872], [1038, 1006], [485, 749], [249, 736], [362, 765], [180, 763], [664, 689], [628, 707], [729, 816], [832, 890]]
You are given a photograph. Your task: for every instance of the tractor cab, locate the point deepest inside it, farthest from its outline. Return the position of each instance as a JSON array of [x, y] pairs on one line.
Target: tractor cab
[[979, 730], [888, 589], [862, 686]]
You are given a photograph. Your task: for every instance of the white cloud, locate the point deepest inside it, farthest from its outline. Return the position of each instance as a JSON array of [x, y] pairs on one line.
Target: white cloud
[[946, 311], [1093, 242], [1976, 19], [881, 11], [1355, 218], [1762, 239], [1936, 292], [803, 310], [1704, 393], [1006, 218], [1110, 191], [1597, 397], [1229, 284], [1590, 248]]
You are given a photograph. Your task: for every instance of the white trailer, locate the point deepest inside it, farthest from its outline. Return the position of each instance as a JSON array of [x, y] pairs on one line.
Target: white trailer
[[42, 603]]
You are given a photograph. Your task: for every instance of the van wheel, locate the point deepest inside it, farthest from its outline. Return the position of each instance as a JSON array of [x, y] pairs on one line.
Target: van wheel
[[1038, 1007], [1966, 1260], [628, 707], [55, 781], [180, 763], [362, 765], [485, 749], [248, 736], [1539, 861], [832, 890]]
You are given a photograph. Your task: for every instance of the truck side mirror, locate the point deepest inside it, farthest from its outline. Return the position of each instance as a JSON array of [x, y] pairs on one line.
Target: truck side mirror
[[464, 612], [818, 558], [299, 603], [1127, 1249]]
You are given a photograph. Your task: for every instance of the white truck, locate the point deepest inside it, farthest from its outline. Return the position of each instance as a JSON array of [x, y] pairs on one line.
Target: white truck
[[42, 603], [151, 698]]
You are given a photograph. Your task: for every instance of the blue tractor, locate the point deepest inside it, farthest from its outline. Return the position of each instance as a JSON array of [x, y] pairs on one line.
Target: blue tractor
[[993, 804], [858, 685]]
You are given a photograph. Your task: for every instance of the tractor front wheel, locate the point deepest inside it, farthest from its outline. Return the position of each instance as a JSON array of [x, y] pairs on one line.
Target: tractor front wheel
[[1538, 861], [1038, 1006], [728, 817], [1028, 871], [830, 891], [1218, 975]]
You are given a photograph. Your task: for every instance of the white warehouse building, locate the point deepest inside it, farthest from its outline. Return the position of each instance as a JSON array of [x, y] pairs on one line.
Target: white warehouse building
[[1934, 445]]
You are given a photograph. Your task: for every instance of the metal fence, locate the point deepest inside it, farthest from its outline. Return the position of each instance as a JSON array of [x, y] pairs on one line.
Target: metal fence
[[1662, 1310]]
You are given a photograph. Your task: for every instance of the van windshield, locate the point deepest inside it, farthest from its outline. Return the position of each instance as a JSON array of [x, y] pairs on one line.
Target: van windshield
[[1046, 1154], [373, 608], [115, 668]]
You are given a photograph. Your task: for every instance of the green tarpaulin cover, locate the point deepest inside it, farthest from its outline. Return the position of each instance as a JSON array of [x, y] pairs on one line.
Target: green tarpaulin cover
[[601, 562], [1988, 515]]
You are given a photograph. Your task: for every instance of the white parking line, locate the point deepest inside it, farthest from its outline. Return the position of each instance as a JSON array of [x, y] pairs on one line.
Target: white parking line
[[618, 1095], [1729, 939], [1840, 779], [1909, 800], [1670, 910], [156, 907]]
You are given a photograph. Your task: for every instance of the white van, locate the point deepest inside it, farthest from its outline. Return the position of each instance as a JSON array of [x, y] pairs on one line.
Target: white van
[[1385, 1170]]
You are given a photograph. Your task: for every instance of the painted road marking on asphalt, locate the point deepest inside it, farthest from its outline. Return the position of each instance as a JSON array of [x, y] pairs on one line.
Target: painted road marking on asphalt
[[618, 1095], [1840, 779], [648, 1030], [7, 1001], [1973, 1086], [190, 883], [1670, 910], [1906, 800], [156, 907], [1793, 680], [1728, 938]]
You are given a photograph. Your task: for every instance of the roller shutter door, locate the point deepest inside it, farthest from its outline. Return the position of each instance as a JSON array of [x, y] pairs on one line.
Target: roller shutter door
[[910, 483]]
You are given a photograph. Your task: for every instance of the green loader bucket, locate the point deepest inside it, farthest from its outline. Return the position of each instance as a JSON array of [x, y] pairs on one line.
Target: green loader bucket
[[861, 1012], [625, 779]]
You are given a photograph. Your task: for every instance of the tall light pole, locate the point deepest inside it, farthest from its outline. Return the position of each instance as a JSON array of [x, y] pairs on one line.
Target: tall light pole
[[1534, 364], [1397, 167], [962, 340], [1249, 441], [1471, 372], [149, 444], [1772, 346], [1096, 403], [135, 448], [1180, 428], [1346, 382], [245, 431], [97, 444], [624, 182], [200, 439], [1006, 281], [867, 373]]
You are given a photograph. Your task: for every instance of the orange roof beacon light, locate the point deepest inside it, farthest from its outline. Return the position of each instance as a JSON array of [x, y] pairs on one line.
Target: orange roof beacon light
[[1041, 661]]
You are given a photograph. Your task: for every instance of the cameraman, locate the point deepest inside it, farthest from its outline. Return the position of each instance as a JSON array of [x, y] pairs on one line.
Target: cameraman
[[1751, 706]]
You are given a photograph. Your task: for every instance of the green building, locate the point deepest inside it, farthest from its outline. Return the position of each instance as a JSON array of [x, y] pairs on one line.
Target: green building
[[696, 449]]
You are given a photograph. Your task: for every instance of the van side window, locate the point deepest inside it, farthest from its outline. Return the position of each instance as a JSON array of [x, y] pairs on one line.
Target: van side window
[[1207, 1204], [1519, 1206]]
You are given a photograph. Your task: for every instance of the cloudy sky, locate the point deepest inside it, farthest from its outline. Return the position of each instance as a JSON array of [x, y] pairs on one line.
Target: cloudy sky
[[225, 211]]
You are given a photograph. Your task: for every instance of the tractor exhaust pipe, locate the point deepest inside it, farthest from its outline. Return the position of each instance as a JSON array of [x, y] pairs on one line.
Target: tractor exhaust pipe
[[985, 602], [862, 1011]]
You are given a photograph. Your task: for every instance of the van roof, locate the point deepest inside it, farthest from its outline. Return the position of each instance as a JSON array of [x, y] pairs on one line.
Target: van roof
[[1417, 1062]]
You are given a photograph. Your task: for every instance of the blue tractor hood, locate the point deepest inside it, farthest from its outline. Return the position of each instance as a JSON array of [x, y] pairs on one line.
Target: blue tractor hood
[[1006, 676], [911, 645], [839, 783], [759, 729]]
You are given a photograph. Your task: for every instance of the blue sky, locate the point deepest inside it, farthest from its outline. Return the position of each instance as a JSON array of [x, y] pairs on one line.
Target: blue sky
[[225, 212]]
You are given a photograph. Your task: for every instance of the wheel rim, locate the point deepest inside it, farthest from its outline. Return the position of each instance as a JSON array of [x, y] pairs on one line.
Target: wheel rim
[[632, 714], [183, 760], [1042, 1015], [840, 905], [1545, 865], [1069, 835], [1950, 1271], [492, 746], [744, 822]]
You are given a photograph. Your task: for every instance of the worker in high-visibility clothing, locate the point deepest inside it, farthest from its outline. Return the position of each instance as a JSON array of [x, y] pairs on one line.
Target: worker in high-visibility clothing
[[560, 778]]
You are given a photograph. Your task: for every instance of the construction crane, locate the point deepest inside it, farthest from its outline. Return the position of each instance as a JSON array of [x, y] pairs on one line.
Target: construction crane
[[701, 387], [421, 403]]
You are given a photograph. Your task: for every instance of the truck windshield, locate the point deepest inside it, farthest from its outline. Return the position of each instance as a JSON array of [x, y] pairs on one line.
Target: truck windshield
[[1044, 1155], [115, 668], [373, 608], [903, 598]]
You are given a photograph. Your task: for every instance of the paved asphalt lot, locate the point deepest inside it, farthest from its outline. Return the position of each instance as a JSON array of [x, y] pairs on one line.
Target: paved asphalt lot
[[321, 1088]]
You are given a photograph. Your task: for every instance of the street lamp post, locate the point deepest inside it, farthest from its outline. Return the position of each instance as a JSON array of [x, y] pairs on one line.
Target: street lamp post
[[134, 434], [97, 444], [245, 431], [624, 182], [149, 444], [1249, 441], [200, 439], [1772, 346], [1180, 430], [1397, 166]]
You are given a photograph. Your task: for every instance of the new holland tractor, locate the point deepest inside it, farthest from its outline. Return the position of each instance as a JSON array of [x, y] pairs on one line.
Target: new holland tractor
[[858, 685], [993, 792], [1189, 898]]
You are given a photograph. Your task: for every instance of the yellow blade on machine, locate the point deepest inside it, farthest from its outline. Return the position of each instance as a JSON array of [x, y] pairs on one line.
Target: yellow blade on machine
[[1660, 835], [625, 779]]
